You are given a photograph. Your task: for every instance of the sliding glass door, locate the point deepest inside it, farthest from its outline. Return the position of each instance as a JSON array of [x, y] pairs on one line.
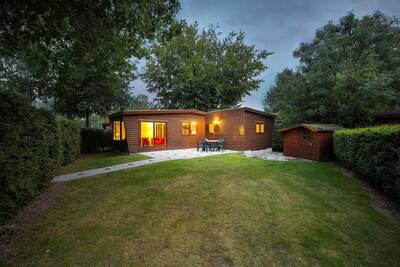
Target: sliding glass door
[[153, 133]]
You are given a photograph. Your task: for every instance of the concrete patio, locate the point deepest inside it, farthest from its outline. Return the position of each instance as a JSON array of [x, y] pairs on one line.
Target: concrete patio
[[155, 157], [268, 154]]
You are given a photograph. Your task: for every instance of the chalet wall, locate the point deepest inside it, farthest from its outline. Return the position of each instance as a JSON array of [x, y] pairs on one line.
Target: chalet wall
[[175, 139], [255, 140], [228, 128]]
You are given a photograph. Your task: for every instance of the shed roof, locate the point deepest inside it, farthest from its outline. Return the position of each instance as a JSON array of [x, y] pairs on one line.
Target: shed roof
[[315, 127]]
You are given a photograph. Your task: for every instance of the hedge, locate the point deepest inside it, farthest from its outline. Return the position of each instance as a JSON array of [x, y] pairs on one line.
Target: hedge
[[95, 140], [70, 139], [32, 149], [374, 154]]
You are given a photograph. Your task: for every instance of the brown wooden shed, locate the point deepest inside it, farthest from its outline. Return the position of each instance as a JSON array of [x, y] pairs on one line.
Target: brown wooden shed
[[309, 141]]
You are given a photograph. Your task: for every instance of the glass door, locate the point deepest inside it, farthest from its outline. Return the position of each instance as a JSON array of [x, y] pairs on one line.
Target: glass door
[[153, 133]]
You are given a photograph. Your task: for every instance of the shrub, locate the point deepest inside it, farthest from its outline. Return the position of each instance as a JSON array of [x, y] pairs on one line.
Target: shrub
[[95, 140], [277, 141], [32, 149], [373, 153], [70, 139]]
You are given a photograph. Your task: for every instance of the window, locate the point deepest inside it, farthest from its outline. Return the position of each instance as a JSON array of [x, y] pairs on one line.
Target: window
[[211, 128], [241, 130], [123, 131], [116, 130], [259, 127], [153, 133], [306, 135], [189, 128], [119, 131]]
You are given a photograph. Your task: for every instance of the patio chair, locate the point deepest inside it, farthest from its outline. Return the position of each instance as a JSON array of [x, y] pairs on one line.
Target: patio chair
[[204, 144], [221, 144]]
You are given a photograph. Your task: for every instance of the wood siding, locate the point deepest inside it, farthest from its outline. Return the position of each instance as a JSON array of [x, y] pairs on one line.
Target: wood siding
[[253, 140], [229, 127], [238, 128], [318, 148], [175, 139]]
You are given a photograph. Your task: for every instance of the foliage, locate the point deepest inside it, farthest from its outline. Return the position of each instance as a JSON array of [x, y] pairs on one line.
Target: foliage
[[201, 71], [348, 70], [32, 148], [139, 102], [277, 141], [78, 55], [223, 210], [373, 153], [70, 139], [95, 140], [99, 160]]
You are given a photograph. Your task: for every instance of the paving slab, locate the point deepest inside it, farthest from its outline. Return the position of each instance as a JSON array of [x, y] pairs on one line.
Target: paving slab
[[268, 154]]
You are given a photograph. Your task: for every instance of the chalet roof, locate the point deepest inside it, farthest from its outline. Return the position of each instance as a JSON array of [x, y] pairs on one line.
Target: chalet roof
[[315, 127], [251, 110], [184, 111], [156, 111]]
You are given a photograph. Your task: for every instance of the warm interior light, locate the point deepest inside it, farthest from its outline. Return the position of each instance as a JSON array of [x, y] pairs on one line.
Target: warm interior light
[[216, 121], [153, 133], [241, 130]]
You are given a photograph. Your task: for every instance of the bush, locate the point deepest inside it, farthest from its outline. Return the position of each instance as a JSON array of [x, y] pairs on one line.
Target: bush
[[374, 154], [277, 141], [70, 139], [95, 140], [32, 149]]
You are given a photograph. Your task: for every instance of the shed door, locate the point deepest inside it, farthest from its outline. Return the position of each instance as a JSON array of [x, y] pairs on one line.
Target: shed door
[[306, 144]]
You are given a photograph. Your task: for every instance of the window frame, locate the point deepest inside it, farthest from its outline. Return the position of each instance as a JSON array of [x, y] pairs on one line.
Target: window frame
[[119, 127], [153, 123], [190, 124], [260, 127]]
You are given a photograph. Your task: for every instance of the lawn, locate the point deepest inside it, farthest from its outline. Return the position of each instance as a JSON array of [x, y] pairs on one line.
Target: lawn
[[99, 160], [214, 211]]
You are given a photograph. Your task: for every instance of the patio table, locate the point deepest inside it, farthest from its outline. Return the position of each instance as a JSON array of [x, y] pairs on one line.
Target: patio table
[[213, 144]]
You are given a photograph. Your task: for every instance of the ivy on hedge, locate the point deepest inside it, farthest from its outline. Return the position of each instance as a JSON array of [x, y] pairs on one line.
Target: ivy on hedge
[[373, 153], [33, 145]]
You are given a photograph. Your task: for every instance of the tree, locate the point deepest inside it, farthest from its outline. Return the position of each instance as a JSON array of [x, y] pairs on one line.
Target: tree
[[348, 70], [139, 102], [201, 71], [77, 53]]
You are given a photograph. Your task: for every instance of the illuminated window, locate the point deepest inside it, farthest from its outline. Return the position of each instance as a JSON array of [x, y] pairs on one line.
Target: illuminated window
[[241, 130], [123, 136], [259, 127], [211, 128], [153, 133], [119, 131], [189, 128]]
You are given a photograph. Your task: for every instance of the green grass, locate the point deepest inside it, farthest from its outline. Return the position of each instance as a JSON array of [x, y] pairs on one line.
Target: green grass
[[213, 211], [99, 160]]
